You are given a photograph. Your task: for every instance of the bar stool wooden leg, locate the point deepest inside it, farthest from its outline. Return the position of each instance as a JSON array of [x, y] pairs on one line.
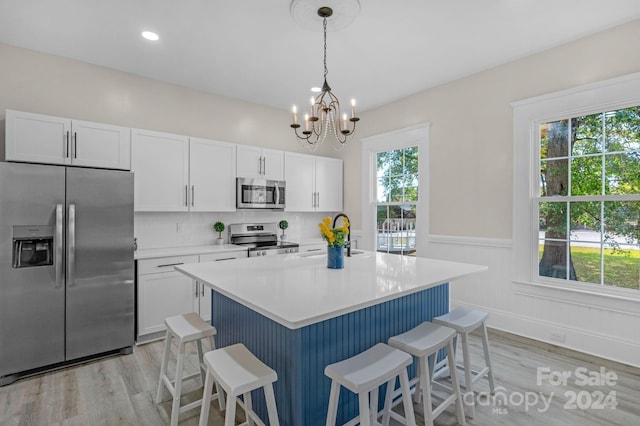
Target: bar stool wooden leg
[[230, 416], [468, 384], [163, 367], [406, 397], [175, 409], [334, 396], [487, 357], [451, 357], [391, 384], [248, 406], [425, 387], [206, 399], [271, 406], [363, 400]]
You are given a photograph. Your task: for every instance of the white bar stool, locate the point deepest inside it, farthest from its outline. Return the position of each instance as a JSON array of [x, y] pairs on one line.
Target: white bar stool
[[363, 374], [185, 328], [464, 321], [423, 341], [238, 372]]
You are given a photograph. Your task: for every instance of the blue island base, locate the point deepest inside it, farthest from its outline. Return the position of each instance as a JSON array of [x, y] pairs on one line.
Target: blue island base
[[299, 356]]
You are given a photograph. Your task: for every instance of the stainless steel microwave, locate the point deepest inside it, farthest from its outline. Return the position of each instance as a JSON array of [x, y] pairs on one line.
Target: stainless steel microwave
[[260, 194]]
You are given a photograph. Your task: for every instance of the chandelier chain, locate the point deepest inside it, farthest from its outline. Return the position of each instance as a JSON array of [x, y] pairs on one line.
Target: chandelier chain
[[324, 24]]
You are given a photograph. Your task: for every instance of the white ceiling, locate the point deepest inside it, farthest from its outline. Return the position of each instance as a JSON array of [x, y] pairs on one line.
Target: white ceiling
[[253, 50]]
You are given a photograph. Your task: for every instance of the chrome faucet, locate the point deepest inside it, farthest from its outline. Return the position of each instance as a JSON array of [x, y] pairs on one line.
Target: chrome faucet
[[348, 245]]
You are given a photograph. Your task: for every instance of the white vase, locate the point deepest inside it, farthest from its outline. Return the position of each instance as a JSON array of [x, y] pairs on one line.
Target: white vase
[[219, 241]]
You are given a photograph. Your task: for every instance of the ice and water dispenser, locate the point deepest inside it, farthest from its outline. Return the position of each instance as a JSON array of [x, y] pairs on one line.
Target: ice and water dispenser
[[32, 246]]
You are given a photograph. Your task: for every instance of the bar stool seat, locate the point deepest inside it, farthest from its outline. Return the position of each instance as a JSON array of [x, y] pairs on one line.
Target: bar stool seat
[[464, 321], [425, 341], [362, 374], [238, 372], [185, 329]]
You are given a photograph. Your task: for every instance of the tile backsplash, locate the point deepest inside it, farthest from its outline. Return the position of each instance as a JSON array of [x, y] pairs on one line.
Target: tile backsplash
[[159, 230]]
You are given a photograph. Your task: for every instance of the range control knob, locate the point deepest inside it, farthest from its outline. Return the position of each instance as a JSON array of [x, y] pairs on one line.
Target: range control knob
[[264, 253]]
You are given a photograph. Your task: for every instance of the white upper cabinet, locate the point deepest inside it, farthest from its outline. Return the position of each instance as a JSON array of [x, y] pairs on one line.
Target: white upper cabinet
[[38, 138], [313, 183], [329, 184], [212, 172], [178, 173], [255, 162], [160, 162]]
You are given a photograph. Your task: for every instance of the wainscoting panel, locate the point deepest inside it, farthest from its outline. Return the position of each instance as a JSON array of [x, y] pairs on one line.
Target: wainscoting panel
[[574, 318]]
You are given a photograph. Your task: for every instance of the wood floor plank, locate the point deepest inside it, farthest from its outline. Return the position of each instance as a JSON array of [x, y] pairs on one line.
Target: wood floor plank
[[120, 390]]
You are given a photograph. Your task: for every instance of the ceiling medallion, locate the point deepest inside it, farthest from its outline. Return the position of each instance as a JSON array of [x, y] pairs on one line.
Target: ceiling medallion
[[325, 115]]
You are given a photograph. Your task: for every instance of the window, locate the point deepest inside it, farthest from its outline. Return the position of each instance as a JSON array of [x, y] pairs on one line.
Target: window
[[577, 213], [397, 195], [394, 210]]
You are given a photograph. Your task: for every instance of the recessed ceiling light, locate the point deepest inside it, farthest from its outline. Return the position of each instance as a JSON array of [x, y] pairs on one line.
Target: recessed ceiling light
[[316, 89], [150, 35]]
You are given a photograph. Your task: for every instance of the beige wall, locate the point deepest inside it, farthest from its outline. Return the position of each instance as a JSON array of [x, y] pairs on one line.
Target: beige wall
[[46, 84], [471, 154]]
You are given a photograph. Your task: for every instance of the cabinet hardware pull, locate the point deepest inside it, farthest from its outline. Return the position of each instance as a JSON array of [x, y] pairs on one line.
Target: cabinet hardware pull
[[264, 166], [314, 250], [202, 290], [224, 258], [193, 197], [169, 264], [75, 145], [197, 290], [67, 154], [318, 198], [186, 195]]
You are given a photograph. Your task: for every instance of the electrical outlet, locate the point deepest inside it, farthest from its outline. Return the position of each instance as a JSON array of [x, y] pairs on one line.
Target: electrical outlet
[[558, 337], [179, 227]]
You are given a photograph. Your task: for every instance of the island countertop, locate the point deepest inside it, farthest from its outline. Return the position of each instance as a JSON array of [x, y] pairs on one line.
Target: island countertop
[[297, 290]]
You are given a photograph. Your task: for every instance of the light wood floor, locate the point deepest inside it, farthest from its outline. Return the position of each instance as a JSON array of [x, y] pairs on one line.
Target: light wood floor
[[120, 391]]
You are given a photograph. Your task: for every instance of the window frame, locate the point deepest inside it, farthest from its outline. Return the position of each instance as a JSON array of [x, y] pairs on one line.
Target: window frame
[[417, 135], [528, 115]]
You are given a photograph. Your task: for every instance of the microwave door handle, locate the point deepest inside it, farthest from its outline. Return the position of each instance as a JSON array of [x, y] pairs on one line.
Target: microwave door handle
[[59, 266], [276, 195], [71, 244]]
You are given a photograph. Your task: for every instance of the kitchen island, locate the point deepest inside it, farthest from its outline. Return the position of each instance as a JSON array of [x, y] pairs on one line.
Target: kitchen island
[[297, 315]]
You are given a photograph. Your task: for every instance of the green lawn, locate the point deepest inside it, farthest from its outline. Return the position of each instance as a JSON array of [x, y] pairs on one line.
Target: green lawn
[[620, 269]]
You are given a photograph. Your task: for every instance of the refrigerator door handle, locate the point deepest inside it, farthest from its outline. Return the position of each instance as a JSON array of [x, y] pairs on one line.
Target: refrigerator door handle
[[71, 244], [58, 248]]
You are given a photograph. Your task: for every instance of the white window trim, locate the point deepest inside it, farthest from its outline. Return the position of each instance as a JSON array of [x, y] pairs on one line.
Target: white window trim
[[528, 114], [417, 135]]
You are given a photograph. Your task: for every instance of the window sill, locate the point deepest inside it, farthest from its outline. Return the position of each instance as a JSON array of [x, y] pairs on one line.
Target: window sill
[[588, 295]]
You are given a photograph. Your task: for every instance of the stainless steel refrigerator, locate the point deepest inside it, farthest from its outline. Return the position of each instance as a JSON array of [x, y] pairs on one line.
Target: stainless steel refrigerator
[[66, 266]]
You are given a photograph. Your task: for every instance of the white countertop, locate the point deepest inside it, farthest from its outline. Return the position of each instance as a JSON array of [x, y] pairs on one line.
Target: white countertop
[[185, 251], [297, 290]]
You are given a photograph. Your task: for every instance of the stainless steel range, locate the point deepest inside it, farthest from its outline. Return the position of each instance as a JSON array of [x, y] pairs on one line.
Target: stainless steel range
[[260, 238]]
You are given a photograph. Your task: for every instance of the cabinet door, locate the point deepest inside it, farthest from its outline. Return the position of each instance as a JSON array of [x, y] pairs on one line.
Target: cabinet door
[[272, 164], [329, 184], [202, 303], [37, 138], [299, 179], [249, 161], [100, 145], [212, 176], [161, 296], [160, 162]]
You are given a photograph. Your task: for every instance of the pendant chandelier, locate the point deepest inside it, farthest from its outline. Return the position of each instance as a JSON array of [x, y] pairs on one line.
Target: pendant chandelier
[[325, 116]]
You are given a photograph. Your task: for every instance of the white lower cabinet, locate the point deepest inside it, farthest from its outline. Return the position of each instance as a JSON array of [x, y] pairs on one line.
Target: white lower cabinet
[[202, 293], [162, 292]]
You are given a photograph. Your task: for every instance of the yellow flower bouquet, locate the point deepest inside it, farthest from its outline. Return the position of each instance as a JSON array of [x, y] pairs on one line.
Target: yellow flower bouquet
[[335, 237]]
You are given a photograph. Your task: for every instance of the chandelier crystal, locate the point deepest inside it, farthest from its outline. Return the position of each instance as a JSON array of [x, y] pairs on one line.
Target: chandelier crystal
[[325, 116]]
